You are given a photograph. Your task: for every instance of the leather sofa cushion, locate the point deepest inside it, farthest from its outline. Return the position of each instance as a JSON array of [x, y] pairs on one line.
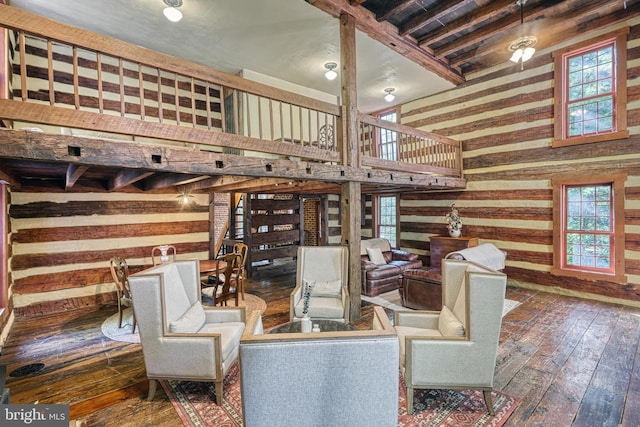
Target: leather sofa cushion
[[426, 275], [383, 271], [407, 265]]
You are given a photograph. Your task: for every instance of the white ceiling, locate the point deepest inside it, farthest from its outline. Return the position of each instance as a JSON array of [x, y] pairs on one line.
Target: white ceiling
[[287, 39]]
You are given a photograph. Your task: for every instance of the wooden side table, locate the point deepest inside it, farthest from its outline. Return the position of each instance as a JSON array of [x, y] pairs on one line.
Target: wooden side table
[[440, 246]]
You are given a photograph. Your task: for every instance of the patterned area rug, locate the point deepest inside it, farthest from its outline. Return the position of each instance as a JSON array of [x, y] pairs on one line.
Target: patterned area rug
[[195, 405]]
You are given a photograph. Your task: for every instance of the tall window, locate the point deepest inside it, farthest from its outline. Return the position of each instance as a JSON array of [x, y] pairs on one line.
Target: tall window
[[589, 222], [590, 97], [388, 139], [386, 218]]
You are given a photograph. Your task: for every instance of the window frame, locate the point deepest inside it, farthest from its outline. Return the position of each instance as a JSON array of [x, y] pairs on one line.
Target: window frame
[[619, 39], [376, 217], [380, 130], [559, 222]]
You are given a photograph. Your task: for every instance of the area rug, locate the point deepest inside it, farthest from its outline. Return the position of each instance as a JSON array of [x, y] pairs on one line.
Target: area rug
[[111, 330], [392, 301], [194, 402], [124, 334]]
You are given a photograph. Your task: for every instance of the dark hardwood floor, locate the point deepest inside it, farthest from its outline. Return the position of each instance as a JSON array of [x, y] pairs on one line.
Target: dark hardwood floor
[[572, 362]]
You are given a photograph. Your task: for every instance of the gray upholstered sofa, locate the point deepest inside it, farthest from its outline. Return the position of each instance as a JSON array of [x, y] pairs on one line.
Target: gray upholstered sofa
[[321, 379]]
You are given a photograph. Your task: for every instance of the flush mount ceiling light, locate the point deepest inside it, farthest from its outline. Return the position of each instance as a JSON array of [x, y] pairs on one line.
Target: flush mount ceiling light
[[171, 12], [389, 96], [330, 74]]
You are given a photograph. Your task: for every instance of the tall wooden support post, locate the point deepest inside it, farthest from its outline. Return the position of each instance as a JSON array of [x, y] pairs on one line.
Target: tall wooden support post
[[350, 195], [351, 224]]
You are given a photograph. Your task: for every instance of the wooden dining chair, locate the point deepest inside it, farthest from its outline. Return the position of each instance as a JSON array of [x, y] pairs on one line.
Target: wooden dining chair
[[225, 281], [242, 250], [163, 254], [120, 273]]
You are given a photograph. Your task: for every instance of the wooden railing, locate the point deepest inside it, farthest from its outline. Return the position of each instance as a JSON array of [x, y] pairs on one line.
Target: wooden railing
[[392, 146], [75, 79], [72, 78]]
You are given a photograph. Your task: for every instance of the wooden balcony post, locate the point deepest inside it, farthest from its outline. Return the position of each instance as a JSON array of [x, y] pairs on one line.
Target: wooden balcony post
[[350, 194]]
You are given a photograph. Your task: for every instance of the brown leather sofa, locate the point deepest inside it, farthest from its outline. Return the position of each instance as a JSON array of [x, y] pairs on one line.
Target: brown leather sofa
[[380, 278]]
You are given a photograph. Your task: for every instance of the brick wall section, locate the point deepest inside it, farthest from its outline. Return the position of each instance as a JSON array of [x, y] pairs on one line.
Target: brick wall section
[[311, 222]]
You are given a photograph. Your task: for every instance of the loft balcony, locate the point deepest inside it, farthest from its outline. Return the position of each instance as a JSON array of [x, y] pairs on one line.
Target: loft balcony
[[133, 114]]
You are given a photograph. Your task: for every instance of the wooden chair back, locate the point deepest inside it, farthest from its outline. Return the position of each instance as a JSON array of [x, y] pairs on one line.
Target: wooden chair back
[[227, 279], [120, 273], [162, 254], [243, 251]]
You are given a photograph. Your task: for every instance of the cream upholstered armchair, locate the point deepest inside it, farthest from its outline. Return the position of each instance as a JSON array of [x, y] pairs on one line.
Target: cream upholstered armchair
[[181, 339], [455, 348], [325, 269]]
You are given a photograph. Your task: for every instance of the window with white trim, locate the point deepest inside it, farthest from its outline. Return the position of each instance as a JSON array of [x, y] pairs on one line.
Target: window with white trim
[[388, 139], [386, 215]]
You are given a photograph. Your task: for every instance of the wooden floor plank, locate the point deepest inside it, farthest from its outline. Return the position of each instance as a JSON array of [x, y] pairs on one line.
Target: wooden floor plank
[[565, 358]]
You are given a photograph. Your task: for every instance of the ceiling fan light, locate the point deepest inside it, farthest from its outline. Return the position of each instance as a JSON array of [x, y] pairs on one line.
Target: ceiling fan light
[[172, 14], [528, 53], [517, 54]]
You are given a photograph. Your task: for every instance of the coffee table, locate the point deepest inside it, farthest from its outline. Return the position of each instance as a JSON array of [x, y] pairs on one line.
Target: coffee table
[[325, 326]]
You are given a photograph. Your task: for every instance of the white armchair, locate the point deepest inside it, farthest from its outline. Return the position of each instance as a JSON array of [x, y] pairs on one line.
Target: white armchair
[[326, 268], [455, 348], [181, 339]]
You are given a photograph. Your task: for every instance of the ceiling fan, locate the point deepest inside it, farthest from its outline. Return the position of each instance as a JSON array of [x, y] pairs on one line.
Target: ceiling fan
[[522, 48], [519, 42]]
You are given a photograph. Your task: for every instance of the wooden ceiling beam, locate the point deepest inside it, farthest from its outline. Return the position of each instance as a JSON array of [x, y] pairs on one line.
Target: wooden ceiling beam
[[566, 26], [37, 146], [487, 12], [399, 7], [10, 179], [510, 22], [432, 15], [171, 180], [74, 172], [127, 177], [387, 34]]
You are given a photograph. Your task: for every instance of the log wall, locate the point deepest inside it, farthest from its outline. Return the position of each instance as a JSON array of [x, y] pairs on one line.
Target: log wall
[[504, 119], [61, 242]]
